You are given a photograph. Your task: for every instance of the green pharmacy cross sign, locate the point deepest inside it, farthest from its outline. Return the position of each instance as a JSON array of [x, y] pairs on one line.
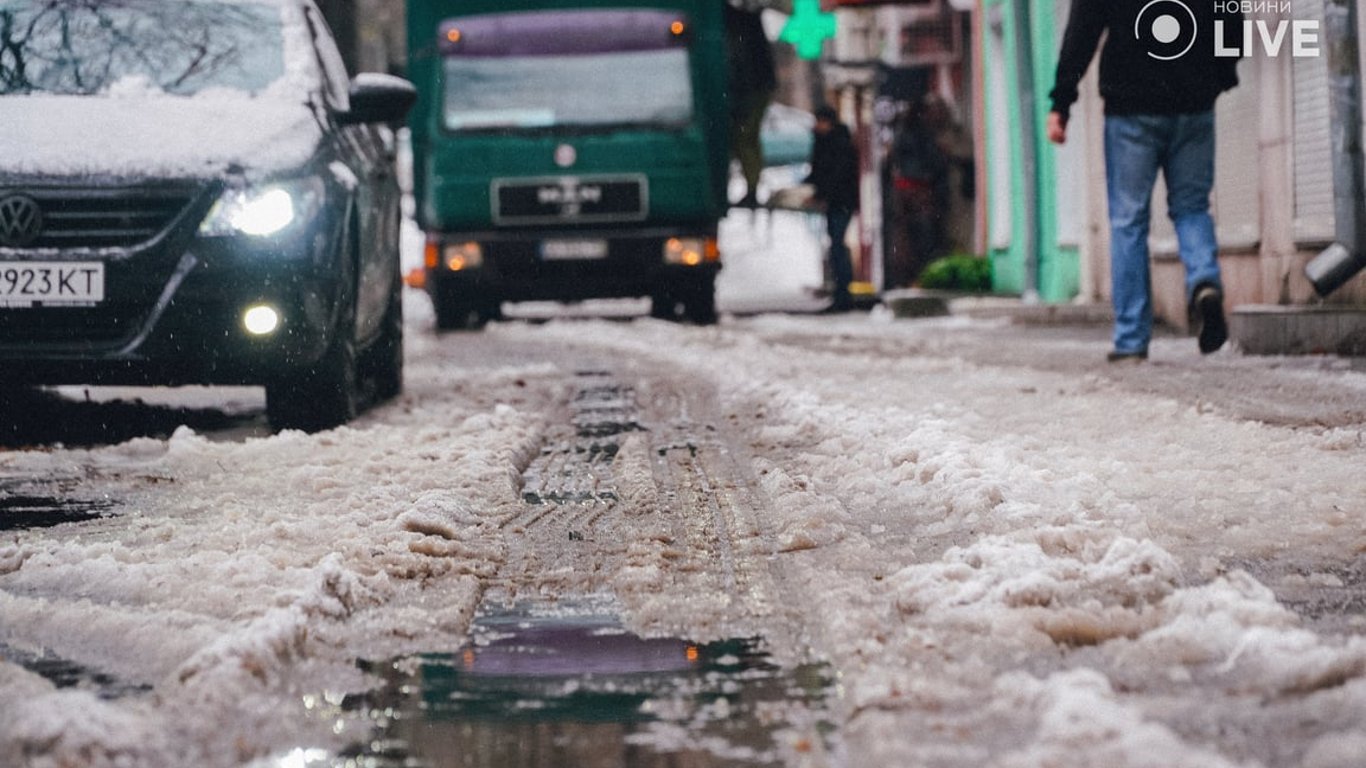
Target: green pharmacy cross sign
[[808, 28]]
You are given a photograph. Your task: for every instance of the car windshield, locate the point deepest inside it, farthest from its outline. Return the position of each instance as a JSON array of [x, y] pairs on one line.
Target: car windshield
[[633, 87], [81, 47]]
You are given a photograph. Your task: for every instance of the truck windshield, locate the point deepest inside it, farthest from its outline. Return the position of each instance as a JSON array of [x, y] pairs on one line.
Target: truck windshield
[[651, 87]]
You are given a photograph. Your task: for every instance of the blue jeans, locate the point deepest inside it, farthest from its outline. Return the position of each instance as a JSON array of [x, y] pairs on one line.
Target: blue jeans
[[841, 268], [1136, 147]]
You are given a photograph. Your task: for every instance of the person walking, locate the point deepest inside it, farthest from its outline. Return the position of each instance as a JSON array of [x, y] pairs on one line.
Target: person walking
[[753, 79], [835, 180], [918, 175], [1159, 78]]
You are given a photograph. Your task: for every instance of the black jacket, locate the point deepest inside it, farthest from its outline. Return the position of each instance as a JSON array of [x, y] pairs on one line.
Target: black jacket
[[834, 169], [1139, 73]]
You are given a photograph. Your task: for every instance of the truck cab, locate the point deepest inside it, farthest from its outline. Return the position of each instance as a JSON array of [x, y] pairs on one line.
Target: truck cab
[[569, 151]]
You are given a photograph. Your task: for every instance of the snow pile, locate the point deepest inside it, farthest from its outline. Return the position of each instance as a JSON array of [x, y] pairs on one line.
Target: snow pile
[[1084, 722], [1096, 592], [240, 573], [74, 728]]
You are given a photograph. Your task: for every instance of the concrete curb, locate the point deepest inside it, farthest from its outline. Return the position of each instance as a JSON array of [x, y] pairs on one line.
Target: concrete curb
[[1266, 329], [913, 303]]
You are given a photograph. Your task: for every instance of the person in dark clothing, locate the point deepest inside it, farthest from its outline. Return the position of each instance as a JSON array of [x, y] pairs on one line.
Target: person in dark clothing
[[753, 80], [835, 179], [919, 177], [1159, 77]]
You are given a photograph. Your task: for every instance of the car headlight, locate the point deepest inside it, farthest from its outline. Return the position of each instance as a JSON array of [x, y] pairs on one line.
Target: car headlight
[[263, 211]]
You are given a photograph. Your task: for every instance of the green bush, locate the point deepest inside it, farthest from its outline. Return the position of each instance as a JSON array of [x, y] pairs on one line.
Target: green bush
[[959, 272]]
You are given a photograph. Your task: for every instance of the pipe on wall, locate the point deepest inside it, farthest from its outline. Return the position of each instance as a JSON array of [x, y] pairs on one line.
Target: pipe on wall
[[1347, 255]]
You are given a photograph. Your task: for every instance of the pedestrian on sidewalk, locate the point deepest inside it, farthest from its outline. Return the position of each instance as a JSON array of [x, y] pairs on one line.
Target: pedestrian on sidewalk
[[919, 177], [1159, 78], [834, 178], [753, 79]]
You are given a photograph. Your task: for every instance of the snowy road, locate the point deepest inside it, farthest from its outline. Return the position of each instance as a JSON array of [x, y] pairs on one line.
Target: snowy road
[[995, 550]]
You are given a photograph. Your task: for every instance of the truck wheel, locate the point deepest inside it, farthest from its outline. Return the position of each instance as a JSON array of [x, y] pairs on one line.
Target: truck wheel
[[459, 315], [700, 307], [663, 306]]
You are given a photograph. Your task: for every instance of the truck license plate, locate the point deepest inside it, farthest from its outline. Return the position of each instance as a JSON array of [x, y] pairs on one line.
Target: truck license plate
[[554, 250], [24, 283]]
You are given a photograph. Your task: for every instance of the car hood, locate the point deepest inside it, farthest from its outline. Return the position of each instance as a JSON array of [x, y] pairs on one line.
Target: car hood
[[165, 136]]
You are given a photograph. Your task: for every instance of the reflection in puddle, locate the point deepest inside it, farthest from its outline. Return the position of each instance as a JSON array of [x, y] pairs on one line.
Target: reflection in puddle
[[558, 687], [72, 417], [22, 512], [68, 674]]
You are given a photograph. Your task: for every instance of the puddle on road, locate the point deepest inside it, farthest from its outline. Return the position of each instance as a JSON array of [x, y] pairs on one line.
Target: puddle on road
[[64, 673], [544, 686], [37, 419], [22, 512]]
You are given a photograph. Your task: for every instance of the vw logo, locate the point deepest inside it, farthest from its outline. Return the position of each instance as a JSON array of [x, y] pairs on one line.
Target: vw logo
[[21, 221]]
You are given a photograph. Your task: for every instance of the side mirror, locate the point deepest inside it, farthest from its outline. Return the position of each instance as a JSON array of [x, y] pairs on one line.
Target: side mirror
[[377, 98]]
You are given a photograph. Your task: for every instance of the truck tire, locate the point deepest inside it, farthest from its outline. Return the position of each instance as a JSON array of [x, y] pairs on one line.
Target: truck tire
[[663, 306], [700, 307], [459, 314], [694, 302]]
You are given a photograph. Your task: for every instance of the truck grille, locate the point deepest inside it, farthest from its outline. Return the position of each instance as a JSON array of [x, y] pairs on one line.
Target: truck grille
[[119, 217], [570, 199]]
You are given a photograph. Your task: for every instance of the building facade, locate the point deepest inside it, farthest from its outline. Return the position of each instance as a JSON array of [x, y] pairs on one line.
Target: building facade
[[1273, 203]]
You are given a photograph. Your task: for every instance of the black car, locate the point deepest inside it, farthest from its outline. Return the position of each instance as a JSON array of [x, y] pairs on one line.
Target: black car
[[195, 192]]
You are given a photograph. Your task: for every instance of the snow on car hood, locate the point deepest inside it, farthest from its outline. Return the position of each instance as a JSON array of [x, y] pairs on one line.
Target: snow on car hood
[[163, 135]]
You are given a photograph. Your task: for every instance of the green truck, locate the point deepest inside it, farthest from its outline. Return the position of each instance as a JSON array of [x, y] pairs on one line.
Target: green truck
[[569, 150]]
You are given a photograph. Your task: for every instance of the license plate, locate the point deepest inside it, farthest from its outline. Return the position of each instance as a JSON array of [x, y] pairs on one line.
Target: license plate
[[552, 250], [25, 283]]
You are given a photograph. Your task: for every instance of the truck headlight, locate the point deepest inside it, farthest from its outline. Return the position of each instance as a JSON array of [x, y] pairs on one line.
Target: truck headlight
[[462, 256], [263, 211], [690, 251]]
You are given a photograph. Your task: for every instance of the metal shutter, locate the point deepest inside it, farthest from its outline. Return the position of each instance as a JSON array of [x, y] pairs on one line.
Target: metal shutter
[[1312, 150]]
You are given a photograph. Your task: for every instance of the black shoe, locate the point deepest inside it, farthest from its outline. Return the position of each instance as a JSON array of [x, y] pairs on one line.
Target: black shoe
[[1208, 311], [1116, 356]]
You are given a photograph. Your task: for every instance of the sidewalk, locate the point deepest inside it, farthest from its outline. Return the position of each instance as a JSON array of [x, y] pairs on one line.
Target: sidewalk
[[1254, 329], [1302, 391]]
